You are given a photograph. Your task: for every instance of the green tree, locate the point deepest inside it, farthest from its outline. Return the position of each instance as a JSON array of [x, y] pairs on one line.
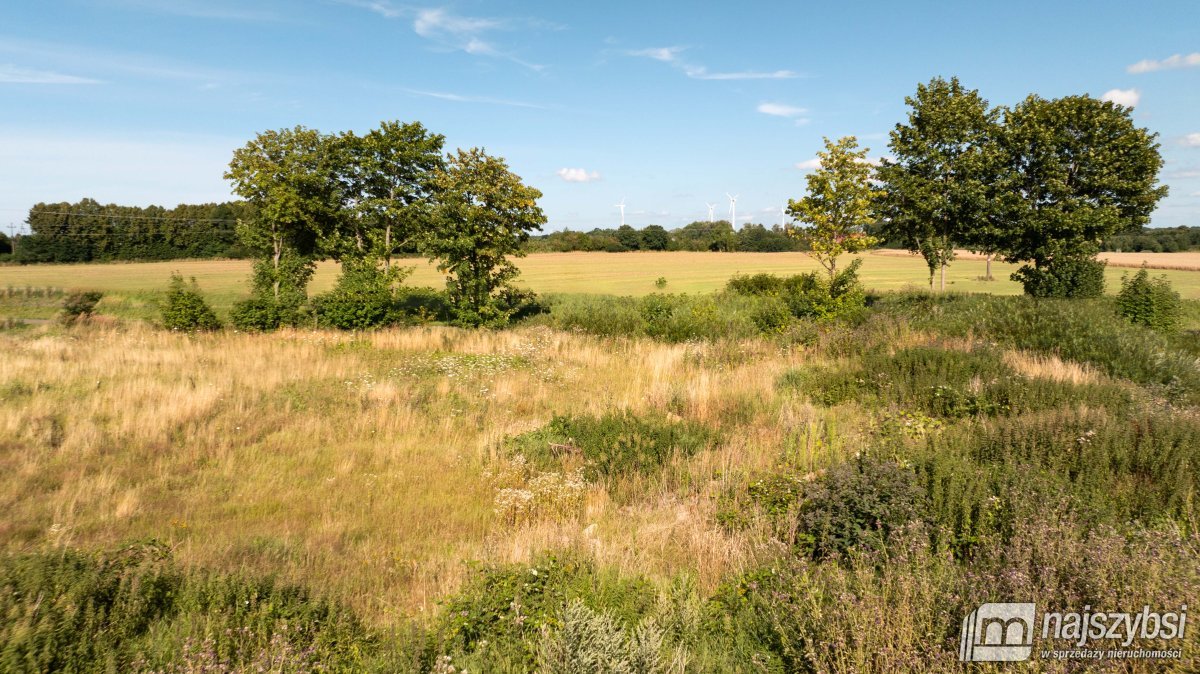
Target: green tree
[[838, 205], [629, 237], [185, 309], [5, 244], [387, 178], [483, 217], [936, 194], [291, 177], [1079, 171], [654, 237]]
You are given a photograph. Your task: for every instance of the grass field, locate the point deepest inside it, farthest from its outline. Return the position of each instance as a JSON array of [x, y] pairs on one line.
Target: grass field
[[132, 288], [378, 471]]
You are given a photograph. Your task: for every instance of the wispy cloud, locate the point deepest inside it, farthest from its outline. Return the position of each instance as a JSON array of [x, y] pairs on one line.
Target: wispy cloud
[[10, 74], [1126, 97], [797, 115], [578, 175], [461, 98], [454, 31], [809, 164], [1190, 140], [74, 57], [1170, 63], [672, 56]]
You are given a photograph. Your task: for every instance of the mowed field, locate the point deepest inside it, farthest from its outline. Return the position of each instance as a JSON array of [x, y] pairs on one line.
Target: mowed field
[[132, 289]]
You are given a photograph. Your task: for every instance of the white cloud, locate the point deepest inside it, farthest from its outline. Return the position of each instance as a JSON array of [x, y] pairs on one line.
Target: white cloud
[[671, 55], [1191, 140], [578, 175], [452, 31], [809, 164], [460, 98], [780, 110], [1126, 97], [1170, 63], [15, 75]]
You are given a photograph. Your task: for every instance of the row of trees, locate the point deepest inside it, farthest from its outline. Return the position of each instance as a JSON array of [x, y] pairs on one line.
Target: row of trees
[[718, 235], [360, 200], [88, 231], [1155, 240], [1042, 183]]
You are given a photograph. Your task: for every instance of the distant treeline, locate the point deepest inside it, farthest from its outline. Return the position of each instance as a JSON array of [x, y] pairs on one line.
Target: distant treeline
[[88, 231], [1155, 240], [703, 236]]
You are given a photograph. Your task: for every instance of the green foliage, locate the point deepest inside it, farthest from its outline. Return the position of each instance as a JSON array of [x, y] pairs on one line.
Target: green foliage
[[856, 506], [803, 295], [496, 619], [593, 642], [1149, 302], [260, 314], [615, 444], [185, 309], [838, 206], [79, 305], [1079, 170], [365, 297], [484, 215], [133, 608], [1085, 332], [938, 188], [1073, 276], [947, 383]]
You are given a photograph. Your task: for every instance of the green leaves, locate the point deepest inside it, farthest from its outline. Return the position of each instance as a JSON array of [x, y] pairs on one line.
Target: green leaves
[[839, 203]]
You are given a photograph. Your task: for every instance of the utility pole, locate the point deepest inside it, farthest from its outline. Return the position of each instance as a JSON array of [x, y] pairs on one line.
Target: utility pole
[[12, 237]]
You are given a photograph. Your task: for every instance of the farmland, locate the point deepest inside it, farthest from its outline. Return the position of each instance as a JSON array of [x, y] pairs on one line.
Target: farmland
[[132, 289], [452, 493]]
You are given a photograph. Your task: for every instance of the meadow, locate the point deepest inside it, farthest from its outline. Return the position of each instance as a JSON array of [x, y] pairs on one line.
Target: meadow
[[637, 487], [132, 289]]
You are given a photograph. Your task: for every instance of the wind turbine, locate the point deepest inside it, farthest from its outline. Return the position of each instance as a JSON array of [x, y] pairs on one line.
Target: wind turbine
[[710, 210], [782, 213], [732, 209], [622, 207]]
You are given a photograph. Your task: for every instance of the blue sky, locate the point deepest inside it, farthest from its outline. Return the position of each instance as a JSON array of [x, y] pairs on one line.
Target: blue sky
[[667, 105]]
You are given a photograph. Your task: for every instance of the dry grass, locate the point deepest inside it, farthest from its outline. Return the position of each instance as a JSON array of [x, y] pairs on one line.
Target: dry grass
[[1045, 366], [356, 464]]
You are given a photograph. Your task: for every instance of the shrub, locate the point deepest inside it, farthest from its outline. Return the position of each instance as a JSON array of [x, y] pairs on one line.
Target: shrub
[[615, 444], [592, 642], [809, 295], [260, 313], [79, 305], [185, 309], [1072, 276], [135, 609], [857, 505], [363, 298], [1149, 302]]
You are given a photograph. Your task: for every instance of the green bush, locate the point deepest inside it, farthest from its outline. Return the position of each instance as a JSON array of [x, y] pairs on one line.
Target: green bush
[[1071, 276], [260, 313], [615, 444], [80, 305], [856, 506], [495, 620], [1149, 302], [364, 297], [809, 295], [185, 309], [133, 609]]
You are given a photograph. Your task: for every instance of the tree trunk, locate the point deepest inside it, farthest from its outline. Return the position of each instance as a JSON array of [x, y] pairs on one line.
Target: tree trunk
[[278, 255], [987, 275], [387, 248], [943, 277]]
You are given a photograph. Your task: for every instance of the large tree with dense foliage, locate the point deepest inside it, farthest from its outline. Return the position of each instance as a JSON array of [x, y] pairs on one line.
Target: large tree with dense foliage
[[291, 176], [1079, 170], [483, 217], [838, 205], [937, 193]]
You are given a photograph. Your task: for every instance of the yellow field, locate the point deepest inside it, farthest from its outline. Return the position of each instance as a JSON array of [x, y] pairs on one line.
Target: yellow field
[[133, 287]]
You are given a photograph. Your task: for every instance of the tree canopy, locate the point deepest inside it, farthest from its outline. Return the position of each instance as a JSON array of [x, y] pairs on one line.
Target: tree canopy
[[839, 203]]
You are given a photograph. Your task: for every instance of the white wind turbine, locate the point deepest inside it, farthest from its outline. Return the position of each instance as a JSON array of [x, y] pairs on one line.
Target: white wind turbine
[[710, 210], [622, 207], [782, 214], [732, 209]]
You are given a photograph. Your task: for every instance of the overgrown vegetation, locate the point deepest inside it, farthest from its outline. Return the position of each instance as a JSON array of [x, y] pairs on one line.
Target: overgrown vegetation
[[185, 308], [1149, 302]]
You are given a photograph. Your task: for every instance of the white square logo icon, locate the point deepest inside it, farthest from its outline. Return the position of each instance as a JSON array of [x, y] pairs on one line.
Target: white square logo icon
[[997, 633]]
